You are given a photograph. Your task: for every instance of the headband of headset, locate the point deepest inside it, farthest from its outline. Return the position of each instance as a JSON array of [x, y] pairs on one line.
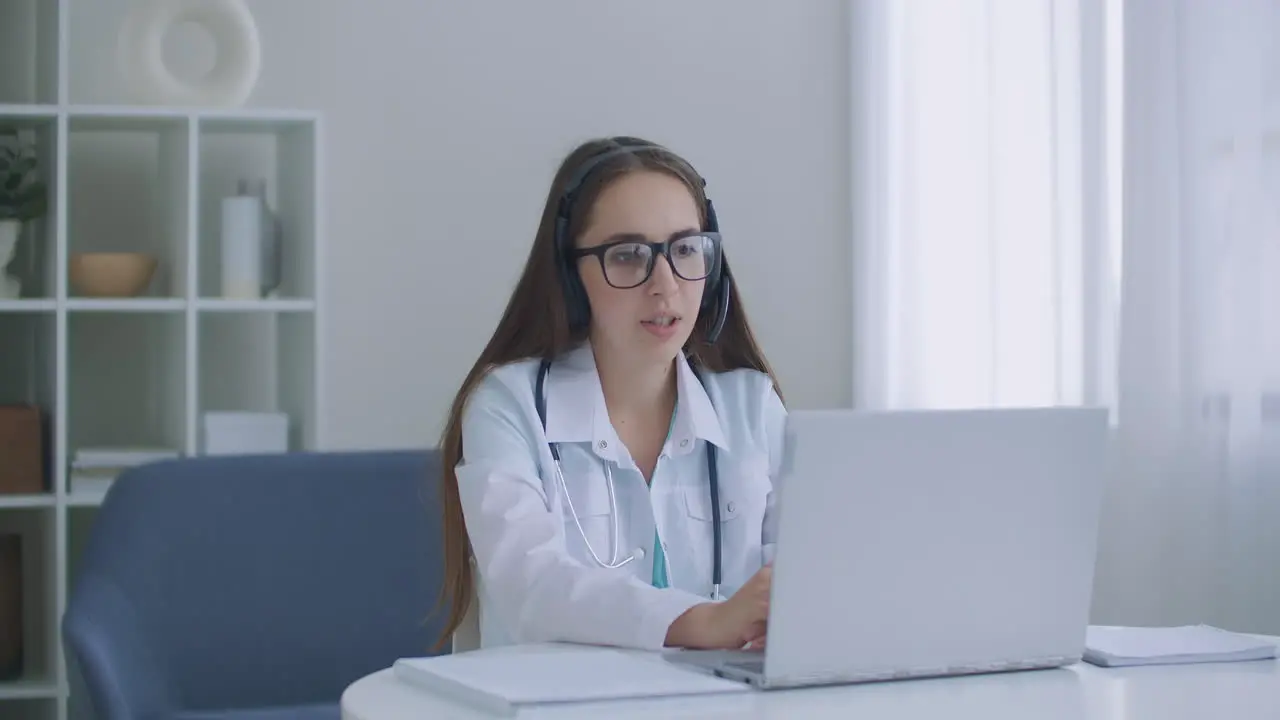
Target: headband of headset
[[717, 289]]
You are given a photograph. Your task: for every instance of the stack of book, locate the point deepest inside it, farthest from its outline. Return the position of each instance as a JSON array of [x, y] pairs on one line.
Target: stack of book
[[94, 469]]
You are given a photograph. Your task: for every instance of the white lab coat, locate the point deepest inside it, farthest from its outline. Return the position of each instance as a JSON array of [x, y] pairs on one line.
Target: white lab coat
[[536, 580]]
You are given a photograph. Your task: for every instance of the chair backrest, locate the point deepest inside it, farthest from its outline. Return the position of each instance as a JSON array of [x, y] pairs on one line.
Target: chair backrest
[[257, 581]]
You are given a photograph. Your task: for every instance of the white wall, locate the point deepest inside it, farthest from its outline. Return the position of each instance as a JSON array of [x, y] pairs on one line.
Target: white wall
[[445, 120]]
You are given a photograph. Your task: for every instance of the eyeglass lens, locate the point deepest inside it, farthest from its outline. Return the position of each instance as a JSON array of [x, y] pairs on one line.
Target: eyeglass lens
[[630, 264]]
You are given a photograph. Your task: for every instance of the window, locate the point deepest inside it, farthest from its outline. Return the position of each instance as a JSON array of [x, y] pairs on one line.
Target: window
[[982, 162]]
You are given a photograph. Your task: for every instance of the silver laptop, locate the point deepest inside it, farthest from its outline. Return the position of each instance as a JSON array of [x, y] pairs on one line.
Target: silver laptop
[[928, 543]]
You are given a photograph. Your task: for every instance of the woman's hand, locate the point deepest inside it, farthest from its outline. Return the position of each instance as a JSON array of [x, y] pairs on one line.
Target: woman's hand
[[728, 625]]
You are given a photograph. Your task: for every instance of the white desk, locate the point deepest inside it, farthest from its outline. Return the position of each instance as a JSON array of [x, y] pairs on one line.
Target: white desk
[[1234, 691]]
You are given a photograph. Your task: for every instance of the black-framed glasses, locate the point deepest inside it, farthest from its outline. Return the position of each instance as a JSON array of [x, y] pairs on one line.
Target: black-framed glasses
[[629, 263]]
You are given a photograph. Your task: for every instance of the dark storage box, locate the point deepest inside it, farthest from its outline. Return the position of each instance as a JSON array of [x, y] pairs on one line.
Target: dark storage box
[[22, 456]]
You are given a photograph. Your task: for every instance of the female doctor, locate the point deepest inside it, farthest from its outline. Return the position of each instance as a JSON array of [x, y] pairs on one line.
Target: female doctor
[[609, 461]]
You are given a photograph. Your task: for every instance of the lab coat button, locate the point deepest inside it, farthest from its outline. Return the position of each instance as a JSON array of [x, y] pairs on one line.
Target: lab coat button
[[730, 508], [640, 553], [602, 444], [684, 442]]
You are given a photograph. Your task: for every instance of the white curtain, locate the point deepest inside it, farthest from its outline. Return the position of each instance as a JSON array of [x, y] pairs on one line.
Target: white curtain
[[1193, 527], [981, 263], [1018, 245]]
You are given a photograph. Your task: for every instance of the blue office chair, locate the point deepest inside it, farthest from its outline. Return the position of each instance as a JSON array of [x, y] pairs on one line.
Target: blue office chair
[[254, 588]]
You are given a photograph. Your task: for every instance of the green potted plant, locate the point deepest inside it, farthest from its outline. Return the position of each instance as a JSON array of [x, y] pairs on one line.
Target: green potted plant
[[23, 197]]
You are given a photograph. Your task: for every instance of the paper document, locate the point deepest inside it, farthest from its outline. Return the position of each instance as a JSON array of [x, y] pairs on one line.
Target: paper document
[[1109, 646], [505, 679]]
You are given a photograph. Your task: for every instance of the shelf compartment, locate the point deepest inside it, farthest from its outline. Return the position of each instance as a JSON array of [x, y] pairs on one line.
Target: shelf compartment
[[80, 519], [129, 190], [281, 152], [79, 529], [29, 53], [35, 258], [28, 377], [260, 362], [126, 381], [36, 535]]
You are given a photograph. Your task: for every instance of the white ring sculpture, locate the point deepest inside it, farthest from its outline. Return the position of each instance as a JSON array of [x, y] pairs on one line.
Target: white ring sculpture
[[140, 52]]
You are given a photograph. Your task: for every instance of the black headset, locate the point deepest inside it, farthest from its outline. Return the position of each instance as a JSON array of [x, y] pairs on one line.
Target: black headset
[[715, 294]]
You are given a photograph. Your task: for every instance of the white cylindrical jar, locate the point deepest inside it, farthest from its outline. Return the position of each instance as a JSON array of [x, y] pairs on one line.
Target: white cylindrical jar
[[242, 247]]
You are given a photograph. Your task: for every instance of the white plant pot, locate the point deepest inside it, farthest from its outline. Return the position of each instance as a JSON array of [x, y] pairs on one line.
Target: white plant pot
[[10, 231]]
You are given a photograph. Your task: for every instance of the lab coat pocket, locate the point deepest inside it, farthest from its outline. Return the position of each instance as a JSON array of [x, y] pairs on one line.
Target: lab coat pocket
[[583, 490], [744, 489], [743, 495]]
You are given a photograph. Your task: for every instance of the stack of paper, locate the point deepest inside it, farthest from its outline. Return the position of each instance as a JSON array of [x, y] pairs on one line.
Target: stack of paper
[[504, 680], [1108, 646]]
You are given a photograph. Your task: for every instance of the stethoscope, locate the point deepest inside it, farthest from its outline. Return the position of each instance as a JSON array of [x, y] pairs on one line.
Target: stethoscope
[[713, 475]]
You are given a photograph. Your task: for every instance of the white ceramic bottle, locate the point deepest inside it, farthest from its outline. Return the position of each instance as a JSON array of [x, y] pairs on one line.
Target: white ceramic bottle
[[241, 244]]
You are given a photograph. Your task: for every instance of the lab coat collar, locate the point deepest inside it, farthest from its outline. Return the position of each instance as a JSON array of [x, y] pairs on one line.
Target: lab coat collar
[[576, 410], [575, 404], [696, 417]]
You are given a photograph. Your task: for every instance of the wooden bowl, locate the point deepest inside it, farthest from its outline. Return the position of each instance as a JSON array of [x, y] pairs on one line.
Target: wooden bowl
[[111, 274]]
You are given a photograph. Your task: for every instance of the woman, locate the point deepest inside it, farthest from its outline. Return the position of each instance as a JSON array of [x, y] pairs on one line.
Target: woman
[[579, 453]]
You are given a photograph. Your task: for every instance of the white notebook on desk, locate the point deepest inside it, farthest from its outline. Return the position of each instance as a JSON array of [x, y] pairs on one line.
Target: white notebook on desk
[[1109, 646], [503, 680]]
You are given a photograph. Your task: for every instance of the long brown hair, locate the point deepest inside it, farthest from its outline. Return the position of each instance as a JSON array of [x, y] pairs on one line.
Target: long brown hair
[[535, 324]]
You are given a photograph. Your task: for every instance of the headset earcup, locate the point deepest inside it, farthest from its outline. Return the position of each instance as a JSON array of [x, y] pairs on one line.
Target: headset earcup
[[711, 290], [722, 311], [576, 301], [715, 298]]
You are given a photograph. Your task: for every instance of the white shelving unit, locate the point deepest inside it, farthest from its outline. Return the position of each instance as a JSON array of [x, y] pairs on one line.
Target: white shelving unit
[[140, 371]]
